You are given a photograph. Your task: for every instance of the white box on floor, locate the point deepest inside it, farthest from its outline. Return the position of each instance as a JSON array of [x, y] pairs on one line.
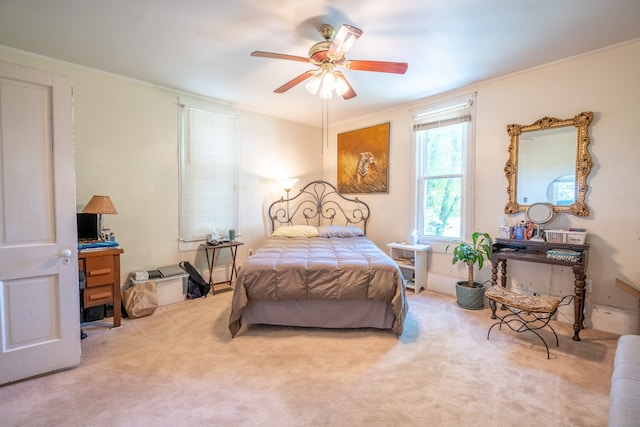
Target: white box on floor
[[615, 320], [171, 289]]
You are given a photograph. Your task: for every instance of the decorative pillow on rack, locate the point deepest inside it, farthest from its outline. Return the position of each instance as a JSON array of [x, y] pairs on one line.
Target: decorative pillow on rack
[[339, 231], [296, 231]]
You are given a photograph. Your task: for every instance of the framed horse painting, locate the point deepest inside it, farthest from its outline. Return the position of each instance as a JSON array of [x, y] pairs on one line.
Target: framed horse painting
[[363, 160]]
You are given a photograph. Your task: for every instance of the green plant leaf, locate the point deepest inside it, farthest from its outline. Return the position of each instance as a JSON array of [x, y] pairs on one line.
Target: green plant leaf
[[472, 253]]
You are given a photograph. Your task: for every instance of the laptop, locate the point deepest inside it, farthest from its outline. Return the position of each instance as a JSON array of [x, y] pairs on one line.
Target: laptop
[[171, 270]]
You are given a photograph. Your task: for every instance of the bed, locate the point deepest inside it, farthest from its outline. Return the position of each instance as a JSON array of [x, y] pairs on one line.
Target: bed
[[318, 269]]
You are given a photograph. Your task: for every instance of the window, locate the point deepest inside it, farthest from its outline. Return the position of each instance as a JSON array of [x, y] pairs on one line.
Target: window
[[562, 190], [208, 172], [444, 142]]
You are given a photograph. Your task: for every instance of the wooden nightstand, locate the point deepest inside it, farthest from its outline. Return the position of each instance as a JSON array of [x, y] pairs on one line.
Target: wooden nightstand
[[412, 260], [102, 269]]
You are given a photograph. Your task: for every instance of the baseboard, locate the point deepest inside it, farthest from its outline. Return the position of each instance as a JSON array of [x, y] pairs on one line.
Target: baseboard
[[219, 274], [442, 284], [601, 317]]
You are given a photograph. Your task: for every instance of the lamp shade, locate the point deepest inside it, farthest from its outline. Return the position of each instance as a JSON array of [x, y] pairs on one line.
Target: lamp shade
[[100, 205], [287, 183]]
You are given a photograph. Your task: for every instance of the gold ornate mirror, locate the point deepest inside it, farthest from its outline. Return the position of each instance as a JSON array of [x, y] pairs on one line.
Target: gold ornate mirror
[[549, 163]]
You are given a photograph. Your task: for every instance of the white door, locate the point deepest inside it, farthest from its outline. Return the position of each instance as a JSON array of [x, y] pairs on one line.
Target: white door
[[39, 303]]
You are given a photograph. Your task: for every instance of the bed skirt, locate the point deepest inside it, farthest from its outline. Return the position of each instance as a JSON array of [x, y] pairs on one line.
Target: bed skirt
[[320, 313]]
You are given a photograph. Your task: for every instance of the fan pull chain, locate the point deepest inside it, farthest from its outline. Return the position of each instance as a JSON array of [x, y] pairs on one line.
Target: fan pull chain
[[325, 120]]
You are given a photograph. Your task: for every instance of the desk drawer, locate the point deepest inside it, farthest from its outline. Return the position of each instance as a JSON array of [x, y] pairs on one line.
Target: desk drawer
[[99, 271], [98, 295]]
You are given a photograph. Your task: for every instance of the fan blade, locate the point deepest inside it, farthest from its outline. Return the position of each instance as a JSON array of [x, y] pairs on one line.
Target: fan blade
[[295, 81], [378, 66], [350, 93], [279, 56], [343, 41]]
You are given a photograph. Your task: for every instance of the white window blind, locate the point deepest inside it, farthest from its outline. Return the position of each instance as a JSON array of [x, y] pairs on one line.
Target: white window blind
[[208, 172]]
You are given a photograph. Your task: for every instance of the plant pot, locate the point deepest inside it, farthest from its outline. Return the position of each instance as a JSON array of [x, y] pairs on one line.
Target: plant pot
[[471, 298]]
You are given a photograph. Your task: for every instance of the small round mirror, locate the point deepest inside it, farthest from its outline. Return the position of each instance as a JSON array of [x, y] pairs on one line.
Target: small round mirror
[[539, 213]]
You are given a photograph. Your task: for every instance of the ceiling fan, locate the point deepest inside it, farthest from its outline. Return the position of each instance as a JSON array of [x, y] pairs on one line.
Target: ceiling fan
[[329, 54]]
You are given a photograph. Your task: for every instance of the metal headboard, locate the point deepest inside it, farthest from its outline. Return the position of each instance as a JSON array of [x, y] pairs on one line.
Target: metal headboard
[[319, 203]]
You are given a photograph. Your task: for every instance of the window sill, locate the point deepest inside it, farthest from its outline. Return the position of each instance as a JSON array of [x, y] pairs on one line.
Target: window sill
[[189, 246], [437, 245]]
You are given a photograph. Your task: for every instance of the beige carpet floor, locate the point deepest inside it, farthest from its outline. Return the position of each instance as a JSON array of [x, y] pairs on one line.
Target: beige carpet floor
[[181, 367]]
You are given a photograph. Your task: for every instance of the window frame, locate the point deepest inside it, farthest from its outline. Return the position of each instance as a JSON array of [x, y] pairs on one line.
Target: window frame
[[445, 112], [185, 242]]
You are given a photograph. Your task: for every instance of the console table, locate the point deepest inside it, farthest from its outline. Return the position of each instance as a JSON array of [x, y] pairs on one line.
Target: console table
[[211, 260], [532, 251]]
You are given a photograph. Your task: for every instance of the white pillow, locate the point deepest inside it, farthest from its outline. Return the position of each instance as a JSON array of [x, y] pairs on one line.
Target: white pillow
[[296, 231], [339, 231]]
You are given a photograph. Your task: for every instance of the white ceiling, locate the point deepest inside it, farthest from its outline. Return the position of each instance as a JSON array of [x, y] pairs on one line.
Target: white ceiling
[[203, 46]]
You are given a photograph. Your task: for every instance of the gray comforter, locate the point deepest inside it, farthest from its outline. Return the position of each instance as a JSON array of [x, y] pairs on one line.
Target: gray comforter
[[301, 268]]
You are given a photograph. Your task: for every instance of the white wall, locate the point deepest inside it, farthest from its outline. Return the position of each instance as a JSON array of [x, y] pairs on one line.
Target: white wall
[[126, 137], [605, 82]]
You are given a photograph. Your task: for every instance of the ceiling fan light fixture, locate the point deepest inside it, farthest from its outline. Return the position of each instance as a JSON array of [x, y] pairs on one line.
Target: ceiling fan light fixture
[[325, 93], [313, 84], [327, 55], [328, 84], [343, 41], [328, 80], [341, 85]]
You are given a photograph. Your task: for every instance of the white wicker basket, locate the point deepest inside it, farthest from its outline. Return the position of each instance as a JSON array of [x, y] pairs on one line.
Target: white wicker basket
[[564, 255], [562, 236]]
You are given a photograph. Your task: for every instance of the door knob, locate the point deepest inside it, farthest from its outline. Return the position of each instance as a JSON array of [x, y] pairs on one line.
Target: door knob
[[65, 253]]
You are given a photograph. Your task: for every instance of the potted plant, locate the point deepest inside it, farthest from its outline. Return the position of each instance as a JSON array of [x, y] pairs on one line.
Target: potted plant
[[469, 293]]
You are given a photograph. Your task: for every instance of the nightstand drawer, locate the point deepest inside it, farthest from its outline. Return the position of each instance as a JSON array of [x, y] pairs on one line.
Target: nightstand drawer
[[102, 269], [99, 271], [98, 295]]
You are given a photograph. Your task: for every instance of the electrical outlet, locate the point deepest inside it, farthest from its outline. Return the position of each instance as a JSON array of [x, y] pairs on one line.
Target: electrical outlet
[[587, 285]]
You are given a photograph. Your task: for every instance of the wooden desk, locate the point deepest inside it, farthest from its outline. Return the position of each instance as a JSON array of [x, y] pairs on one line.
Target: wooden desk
[[531, 251], [211, 260], [102, 269]]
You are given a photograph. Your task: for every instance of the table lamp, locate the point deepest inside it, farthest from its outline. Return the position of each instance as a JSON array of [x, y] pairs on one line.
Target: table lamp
[[100, 205]]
